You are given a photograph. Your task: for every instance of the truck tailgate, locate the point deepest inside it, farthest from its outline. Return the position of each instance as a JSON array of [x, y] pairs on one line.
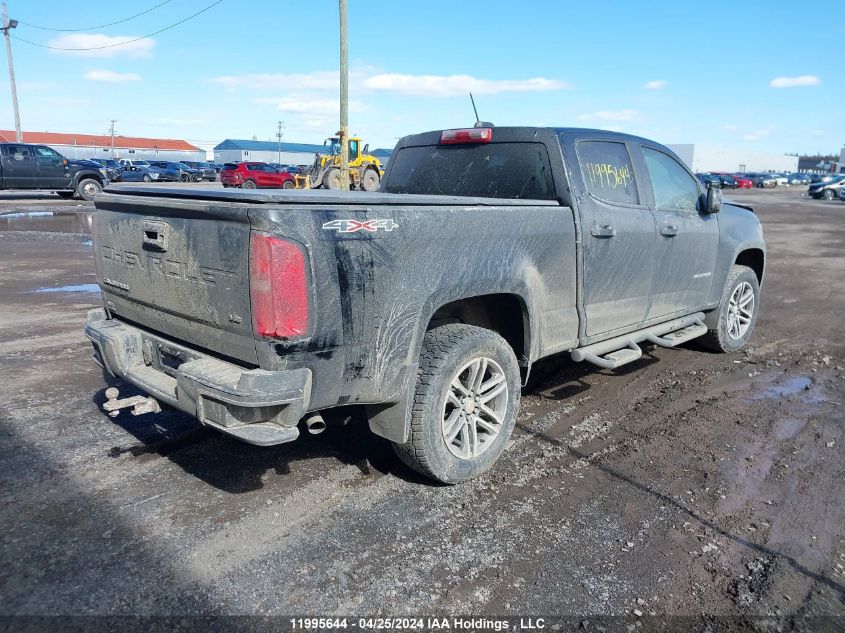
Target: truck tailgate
[[179, 267]]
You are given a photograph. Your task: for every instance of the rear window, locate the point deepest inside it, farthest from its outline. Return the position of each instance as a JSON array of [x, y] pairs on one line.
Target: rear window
[[230, 166], [495, 170]]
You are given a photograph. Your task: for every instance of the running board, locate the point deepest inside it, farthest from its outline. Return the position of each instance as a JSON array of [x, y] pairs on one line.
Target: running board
[[622, 350]]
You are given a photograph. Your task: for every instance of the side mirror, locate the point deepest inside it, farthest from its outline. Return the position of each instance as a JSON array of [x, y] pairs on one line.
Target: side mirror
[[64, 162], [713, 200]]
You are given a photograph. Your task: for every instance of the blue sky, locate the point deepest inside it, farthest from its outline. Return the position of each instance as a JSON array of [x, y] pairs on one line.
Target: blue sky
[[763, 75]]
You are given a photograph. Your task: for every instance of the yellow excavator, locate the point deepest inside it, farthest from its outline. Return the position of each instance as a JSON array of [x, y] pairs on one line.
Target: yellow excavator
[[365, 170]]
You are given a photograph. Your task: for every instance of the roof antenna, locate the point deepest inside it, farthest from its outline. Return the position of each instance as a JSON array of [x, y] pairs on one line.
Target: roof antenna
[[478, 122]]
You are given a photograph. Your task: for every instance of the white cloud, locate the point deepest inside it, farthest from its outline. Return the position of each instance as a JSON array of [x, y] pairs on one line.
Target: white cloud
[[117, 45], [109, 76], [730, 128], [611, 115], [309, 105], [793, 82], [456, 85], [318, 80], [657, 84]]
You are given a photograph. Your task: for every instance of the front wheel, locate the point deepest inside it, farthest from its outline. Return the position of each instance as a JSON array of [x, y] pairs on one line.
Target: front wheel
[[828, 194], [88, 188], [737, 312], [370, 181], [465, 403], [147, 178], [289, 184], [248, 184]]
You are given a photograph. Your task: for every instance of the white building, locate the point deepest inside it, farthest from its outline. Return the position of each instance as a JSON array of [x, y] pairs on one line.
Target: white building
[[100, 146], [703, 157]]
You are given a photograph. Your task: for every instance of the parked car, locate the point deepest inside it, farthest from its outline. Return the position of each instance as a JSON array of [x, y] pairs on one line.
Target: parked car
[[763, 180], [728, 181], [827, 190], [780, 179], [178, 171], [842, 194], [798, 179], [27, 166], [351, 298], [255, 175], [112, 173], [743, 181], [135, 173], [820, 178], [128, 162], [291, 169], [207, 171], [710, 180]]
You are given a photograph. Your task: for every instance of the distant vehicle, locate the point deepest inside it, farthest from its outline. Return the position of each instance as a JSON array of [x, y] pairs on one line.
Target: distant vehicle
[[178, 171], [743, 181], [780, 179], [114, 170], [728, 181], [798, 179], [291, 169], [827, 190], [25, 166], [206, 169], [820, 178], [766, 181], [143, 174], [842, 194], [710, 180], [128, 162], [255, 175]]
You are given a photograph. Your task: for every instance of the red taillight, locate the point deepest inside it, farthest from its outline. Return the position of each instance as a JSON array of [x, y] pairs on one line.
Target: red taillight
[[278, 281], [469, 135]]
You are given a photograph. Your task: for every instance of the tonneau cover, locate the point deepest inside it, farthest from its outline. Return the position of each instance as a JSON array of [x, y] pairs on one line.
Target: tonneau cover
[[318, 197]]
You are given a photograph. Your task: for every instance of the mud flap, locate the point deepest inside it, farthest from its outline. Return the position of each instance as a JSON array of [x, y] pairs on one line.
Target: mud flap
[[391, 420]]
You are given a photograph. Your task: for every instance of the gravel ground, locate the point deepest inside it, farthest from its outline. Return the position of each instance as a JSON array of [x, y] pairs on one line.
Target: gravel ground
[[686, 484]]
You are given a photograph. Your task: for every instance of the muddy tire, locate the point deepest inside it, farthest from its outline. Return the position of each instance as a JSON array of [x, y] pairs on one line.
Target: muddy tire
[[88, 188], [331, 179], [465, 403], [248, 184], [732, 323], [370, 180]]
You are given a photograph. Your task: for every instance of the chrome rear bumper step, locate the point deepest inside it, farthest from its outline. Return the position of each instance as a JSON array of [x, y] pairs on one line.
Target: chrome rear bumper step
[[624, 349]]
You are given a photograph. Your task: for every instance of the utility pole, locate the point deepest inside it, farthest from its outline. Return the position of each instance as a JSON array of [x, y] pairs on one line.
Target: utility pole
[[344, 99], [111, 131], [11, 24], [279, 136]]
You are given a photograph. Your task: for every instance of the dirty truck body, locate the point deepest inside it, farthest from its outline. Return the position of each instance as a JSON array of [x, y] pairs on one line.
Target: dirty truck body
[[428, 301]]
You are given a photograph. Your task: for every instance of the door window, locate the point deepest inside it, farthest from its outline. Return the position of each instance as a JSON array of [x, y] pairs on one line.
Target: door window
[[607, 170], [353, 150], [46, 152], [18, 152], [673, 187]]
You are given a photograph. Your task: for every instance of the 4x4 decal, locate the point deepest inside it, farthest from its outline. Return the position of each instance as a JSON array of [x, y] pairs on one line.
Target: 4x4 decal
[[353, 226]]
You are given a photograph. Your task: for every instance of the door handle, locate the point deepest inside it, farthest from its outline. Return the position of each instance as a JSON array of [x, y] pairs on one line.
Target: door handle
[[669, 230], [605, 230], [155, 236]]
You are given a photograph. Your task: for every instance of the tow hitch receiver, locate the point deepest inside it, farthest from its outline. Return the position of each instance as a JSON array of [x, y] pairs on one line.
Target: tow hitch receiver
[[140, 404]]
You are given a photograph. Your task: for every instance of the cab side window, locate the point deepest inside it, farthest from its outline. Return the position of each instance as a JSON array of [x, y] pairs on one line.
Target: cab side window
[[673, 187], [607, 171], [18, 152], [353, 149]]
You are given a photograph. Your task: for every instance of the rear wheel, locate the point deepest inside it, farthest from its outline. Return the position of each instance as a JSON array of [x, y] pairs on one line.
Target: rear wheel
[[465, 404], [331, 180], [370, 181], [737, 312], [289, 184], [147, 178], [88, 188], [248, 184]]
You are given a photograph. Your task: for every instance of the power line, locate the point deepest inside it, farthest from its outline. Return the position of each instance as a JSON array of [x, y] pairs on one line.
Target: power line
[[101, 26], [136, 39]]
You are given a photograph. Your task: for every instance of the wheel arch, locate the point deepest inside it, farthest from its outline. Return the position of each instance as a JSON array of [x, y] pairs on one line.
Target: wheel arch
[[755, 259]]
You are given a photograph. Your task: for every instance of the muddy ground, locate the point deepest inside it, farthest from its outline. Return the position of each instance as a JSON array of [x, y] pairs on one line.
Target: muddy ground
[[686, 484]]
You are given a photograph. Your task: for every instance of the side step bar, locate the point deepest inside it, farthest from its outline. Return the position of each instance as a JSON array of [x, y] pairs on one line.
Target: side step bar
[[622, 350]]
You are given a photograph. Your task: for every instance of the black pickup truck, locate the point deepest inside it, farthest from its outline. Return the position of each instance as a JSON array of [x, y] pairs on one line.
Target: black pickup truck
[[34, 167], [428, 302]]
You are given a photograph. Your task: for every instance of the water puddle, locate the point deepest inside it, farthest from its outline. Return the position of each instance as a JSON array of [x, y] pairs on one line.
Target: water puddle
[[798, 387], [77, 288], [47, 221]]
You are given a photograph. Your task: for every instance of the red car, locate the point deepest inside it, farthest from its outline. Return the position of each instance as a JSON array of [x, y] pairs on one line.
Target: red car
[[743, 182], [255, 175]]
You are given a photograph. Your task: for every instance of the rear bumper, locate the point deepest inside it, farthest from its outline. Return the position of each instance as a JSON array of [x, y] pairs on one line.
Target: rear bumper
[[257, 406]]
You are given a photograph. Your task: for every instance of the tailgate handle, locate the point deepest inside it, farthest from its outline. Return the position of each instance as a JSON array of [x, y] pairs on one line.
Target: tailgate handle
[[155, 235], [605, 230]]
